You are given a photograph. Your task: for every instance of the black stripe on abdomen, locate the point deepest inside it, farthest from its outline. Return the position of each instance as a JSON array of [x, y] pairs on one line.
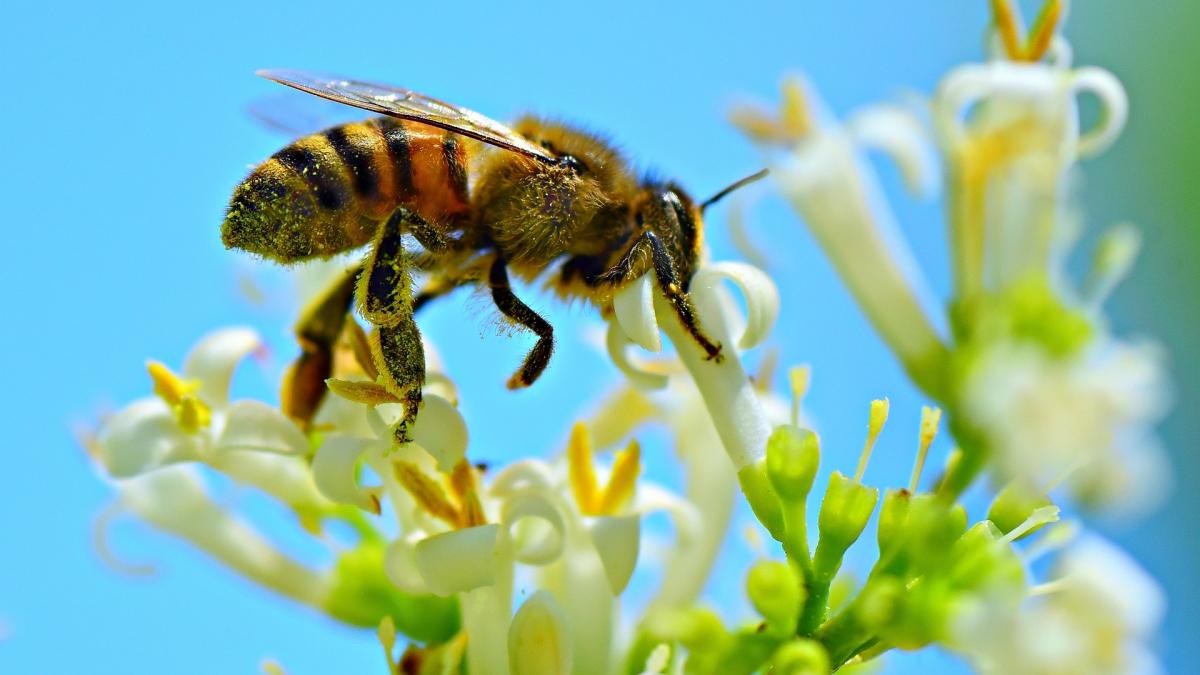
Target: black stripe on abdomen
[[455, 169], [358, 158], [395, 138], [324, 180]]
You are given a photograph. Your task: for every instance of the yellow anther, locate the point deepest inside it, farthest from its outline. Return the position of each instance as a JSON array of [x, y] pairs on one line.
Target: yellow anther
[[930, 419], [580, 472], [430, 496], [368, 393], [623, 481], [361, 347], [879, 415], [794, 116], [190, 411], [387, 639], [799, 377], [167, 385], [192, 414], [466, 489], [1037, 40]]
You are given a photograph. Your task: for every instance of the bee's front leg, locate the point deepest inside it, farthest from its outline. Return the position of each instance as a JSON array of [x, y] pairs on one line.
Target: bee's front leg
[[385, 299], [512, 307]]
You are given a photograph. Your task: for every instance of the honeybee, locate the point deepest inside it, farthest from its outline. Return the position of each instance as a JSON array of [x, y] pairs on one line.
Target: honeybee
[[481, 200]]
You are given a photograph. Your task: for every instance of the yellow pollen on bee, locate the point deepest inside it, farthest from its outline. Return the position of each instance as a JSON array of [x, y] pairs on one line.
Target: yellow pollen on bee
[[1037, 41], [192, 413], [622, 483]]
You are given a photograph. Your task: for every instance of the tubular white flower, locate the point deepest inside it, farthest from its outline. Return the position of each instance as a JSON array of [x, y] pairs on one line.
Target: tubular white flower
[[898, 133], [618, 345], [838, 197], [175, 500], [538, 640], [1009, 159], [634, 310]]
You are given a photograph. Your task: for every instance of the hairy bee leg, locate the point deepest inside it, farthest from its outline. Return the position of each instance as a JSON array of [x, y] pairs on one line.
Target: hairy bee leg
[[385, 299], [668, 282], [426, 235], [512, 307], [317, 332]]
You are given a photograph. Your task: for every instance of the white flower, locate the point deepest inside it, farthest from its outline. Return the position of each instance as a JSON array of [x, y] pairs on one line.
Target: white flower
[[1086, 418], [1095, 619], [191, 420]]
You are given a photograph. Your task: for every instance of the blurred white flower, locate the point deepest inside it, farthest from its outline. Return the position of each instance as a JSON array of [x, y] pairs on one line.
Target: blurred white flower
[[1086, 419]]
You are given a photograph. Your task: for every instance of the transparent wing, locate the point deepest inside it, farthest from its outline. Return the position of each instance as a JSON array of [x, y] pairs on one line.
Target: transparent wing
[[409, 105], [294, 114]]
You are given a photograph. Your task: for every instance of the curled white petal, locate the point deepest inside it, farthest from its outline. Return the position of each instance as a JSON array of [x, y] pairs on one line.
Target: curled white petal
[[400, 564], [142, 437], [212, 361], [539, 638], [618, 344], [334, 469], [459, 560], [617, 540], [634, 309], [896, 132], [762, 298], [536, 526], [441, 430], [284, 477], [684, 515], [256, 426], [525, 474], [1114, 108]]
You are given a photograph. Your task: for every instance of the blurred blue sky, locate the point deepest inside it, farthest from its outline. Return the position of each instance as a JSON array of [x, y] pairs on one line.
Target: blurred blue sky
[[126, 131]]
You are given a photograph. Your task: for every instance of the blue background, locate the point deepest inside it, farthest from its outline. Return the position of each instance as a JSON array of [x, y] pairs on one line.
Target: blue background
[[125, 130]]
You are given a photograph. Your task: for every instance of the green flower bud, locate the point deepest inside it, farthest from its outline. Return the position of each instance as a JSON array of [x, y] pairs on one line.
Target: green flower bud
[[845, 511], [775, 592], [362, 595], [801, 657], [761, 497], [892, 516], [792, 458], [1013, 506]]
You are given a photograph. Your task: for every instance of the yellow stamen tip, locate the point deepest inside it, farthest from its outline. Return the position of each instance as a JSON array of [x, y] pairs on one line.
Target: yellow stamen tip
[[878, 416], [580, 471], [193, 415], [799, 379], [794, 114], [930, 420], [623, 481], [167, 385], [430, 496]]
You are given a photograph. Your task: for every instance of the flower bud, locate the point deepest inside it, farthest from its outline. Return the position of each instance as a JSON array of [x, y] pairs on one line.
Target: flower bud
[[845, 511], [1013, 506], [775, 593], [793, 455], [362, 595], [761, 496], [801, 657], [892, 516]]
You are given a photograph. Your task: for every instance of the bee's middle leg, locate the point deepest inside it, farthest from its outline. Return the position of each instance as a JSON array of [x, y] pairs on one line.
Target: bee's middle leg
[[512, 307], [385, 299], [317, 333]]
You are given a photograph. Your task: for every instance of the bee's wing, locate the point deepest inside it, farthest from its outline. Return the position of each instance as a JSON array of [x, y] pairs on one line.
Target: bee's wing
[[409, 105], [293, 114]]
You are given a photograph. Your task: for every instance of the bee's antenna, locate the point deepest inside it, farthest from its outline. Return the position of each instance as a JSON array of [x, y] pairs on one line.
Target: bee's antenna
[[739, 184]]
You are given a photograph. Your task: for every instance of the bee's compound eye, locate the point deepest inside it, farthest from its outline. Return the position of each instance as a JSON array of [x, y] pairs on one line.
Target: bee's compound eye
[[572, 163]]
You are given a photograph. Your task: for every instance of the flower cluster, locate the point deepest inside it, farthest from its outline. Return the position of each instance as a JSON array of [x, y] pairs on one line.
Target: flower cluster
[[521, 569]]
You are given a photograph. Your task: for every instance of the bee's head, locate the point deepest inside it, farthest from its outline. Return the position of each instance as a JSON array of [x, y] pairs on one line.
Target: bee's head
[[537, 209]]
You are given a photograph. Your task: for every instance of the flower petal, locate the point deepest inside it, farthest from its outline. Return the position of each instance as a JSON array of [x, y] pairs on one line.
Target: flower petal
[[897, 132], [460, 560], [212, 360], [762, 298], [256, 426], [535, 523], [441, 431], [539, 640], [618, 343], [334, 470], [400, 564], [634, 309], [617, 540], [145, 436]]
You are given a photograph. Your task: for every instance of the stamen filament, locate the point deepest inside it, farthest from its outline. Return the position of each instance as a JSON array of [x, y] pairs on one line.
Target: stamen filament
[[799, 378], [879, 415], [930, 419]]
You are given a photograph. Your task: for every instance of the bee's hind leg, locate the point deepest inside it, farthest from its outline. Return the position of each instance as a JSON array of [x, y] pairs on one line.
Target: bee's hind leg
[[385, 299], [512, 307], [317, 332]]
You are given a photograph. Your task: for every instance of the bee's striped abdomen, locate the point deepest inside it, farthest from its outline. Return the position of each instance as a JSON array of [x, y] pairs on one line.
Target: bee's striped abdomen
[[327, 192]]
